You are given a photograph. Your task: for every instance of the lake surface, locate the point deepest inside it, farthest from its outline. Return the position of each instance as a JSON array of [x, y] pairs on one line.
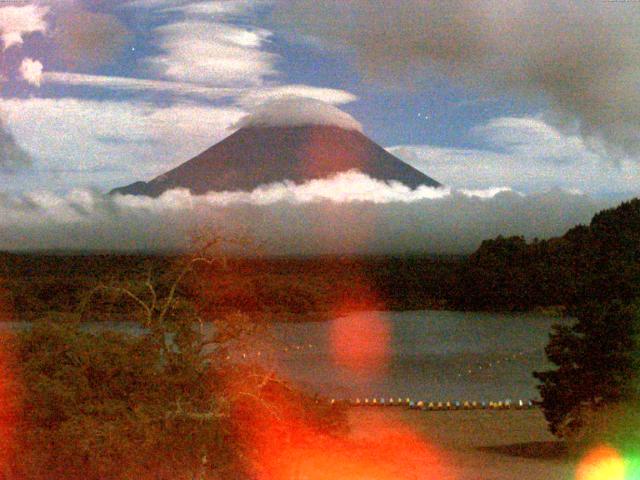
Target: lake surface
[[431, 355], [428, 355]]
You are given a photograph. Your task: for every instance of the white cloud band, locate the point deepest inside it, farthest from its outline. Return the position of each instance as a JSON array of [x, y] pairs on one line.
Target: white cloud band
[[348, 214]]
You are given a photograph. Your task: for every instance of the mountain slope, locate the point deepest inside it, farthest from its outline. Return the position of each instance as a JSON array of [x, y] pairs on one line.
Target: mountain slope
[[259, 155]]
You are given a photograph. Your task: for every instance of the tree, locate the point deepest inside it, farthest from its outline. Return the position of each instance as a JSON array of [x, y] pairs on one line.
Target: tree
[[596, 361], [99, 406], [118, 405], [164, 403]]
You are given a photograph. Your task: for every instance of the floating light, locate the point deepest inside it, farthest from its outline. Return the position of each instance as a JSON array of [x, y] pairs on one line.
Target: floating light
[[602, 463]]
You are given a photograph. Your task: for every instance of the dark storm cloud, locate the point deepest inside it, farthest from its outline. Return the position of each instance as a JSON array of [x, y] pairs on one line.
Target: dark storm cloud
[[583, 56], [86, 40]]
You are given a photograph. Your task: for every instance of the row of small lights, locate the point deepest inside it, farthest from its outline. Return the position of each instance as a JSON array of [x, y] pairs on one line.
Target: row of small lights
[[422, 405], [468, 371], [293, 348], [485, 367]]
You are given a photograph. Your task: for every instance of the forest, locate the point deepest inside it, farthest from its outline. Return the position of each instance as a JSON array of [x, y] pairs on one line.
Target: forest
[[283, 288], [593, 263]]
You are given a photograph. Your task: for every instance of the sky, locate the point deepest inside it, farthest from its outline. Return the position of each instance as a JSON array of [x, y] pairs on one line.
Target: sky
[[519, 100]]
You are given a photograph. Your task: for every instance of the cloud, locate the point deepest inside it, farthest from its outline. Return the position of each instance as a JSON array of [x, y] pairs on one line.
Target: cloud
[[31, 71], [140, 85], [196, 7], [82, 142], [489, 193], [151, 126], [245, 97], [18, 21], [212, 53], [526, 154], [210, 43], [344, 187], [218, 8], [583, 57], [86, 40], [322, 217], [137, 139], [530, 137], [12, 156], [254, 97], [295, 111]]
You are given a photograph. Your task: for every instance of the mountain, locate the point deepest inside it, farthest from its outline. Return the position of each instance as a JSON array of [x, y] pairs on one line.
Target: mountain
[[257, 155]]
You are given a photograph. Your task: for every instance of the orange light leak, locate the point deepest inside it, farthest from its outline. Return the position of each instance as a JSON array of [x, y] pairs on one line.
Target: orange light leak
[[377, 453], [8, 404], [285, 439], [601, 463], [360, 334], [361, 342], [9, 398]]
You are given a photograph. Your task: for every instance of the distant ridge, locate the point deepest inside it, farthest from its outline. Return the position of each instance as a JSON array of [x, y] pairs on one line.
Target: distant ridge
[[259, 155]]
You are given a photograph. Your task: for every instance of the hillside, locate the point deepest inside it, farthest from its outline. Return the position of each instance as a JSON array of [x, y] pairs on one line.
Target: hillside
[[594, 263]]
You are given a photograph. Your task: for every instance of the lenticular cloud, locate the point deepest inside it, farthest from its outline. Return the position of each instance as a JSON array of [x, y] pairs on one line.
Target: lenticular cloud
[[294, 111], [349, 213]]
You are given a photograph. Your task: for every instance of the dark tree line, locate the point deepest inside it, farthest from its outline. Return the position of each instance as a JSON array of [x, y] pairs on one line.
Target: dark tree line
[[595, 263], [37, 284], [592, 262]]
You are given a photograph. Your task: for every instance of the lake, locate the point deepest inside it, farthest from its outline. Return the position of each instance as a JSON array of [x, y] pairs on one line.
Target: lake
[[430, 355], [427, 355]]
